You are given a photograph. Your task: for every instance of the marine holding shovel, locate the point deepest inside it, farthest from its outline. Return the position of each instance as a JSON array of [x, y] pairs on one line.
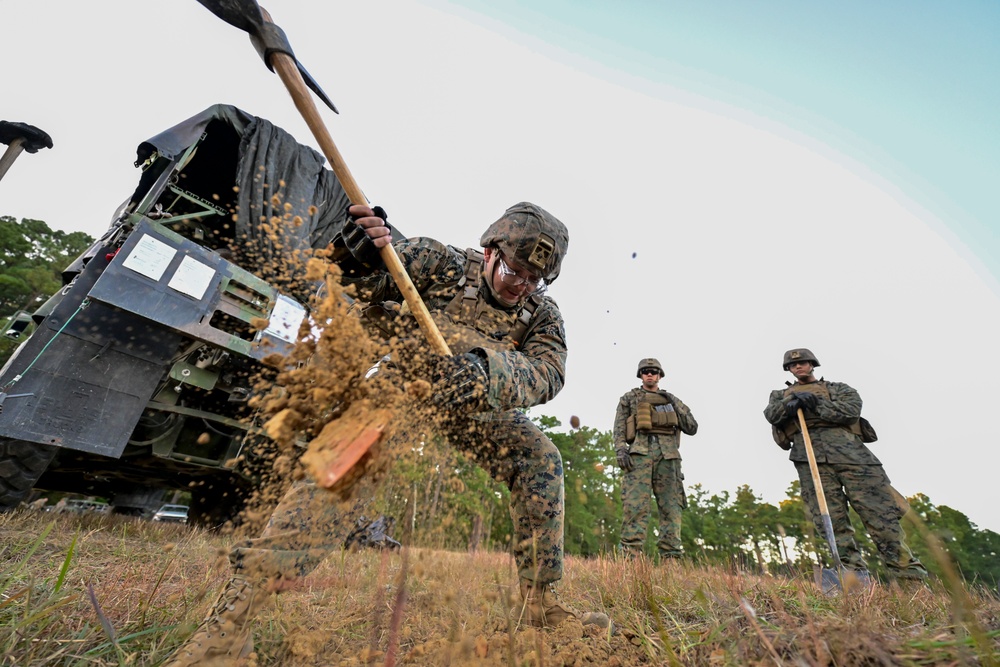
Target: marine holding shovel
[[850, 473], [509, 353]]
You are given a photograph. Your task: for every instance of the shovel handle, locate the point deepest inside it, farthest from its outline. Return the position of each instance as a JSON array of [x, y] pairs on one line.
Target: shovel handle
[[284, 65], [824, 510], [813, 467], [13, 150]]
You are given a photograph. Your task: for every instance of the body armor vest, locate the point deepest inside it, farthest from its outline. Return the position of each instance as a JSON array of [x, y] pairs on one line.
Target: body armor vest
[[821, 391], [655, 415], [469, 321]]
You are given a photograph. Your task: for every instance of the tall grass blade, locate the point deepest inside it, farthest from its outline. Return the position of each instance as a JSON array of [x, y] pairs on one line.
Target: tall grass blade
[[109, 629], [64, 570], [26, 558]]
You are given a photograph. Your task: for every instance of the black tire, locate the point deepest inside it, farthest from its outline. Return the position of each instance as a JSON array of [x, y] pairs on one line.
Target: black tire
[[21, 464]]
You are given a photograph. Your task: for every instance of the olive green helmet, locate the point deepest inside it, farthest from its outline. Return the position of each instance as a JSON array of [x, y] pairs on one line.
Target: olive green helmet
[[531, 236], [648, 362], [799, 354]]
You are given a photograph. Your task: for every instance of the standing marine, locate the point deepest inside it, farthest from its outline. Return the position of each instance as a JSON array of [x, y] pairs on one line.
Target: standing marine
[[851, 474], [510, 354], [648, 426]]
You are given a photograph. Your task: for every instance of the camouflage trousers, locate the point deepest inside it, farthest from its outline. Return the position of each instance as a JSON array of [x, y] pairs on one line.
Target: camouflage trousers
[[307, 524], [653, 475], [866, 489]]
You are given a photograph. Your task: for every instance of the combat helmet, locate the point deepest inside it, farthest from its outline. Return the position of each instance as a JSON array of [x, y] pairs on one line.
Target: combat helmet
[[648, 362], [798, 354], [532, 237]]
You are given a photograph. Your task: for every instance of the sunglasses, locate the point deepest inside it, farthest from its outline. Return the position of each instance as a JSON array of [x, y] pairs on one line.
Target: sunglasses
[[650, 371]]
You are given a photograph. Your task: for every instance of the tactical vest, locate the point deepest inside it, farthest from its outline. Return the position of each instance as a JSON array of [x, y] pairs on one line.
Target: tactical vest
[[654, 415], [469, 321], [821, 390]]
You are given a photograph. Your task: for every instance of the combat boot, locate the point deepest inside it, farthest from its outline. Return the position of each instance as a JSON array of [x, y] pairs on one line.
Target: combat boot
[[542, 608], [224, 639]]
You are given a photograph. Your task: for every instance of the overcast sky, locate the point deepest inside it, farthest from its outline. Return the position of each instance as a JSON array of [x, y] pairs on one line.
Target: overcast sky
[[735, 183]]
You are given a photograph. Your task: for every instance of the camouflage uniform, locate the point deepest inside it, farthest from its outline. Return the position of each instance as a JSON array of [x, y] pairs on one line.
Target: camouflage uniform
[[657, 471], [503, 440], [850, 473]]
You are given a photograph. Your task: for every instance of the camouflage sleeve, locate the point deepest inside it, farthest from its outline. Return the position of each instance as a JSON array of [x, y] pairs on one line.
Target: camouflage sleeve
[[686, 420], [621, 414], [775, 410], [425, 260], [844, 406], [536, 372]]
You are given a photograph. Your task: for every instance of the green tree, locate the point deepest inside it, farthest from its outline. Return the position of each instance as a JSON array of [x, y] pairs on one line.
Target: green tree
[[32, 258], [795, 530], [703, 527], [442, 499], [593, 508], [737, 530], [754, 523], [445, 500], [974, 551]]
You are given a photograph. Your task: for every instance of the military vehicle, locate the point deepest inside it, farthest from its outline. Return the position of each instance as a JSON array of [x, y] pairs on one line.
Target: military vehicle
[[138, 375]]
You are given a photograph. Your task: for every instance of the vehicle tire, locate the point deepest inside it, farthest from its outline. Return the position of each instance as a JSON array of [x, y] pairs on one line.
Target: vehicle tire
[[21, 464]]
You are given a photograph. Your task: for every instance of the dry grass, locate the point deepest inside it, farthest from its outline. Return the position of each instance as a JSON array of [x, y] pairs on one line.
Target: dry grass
[[88, 590]]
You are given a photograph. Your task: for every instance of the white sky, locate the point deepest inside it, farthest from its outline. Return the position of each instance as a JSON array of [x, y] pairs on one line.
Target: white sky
[[748, 239]]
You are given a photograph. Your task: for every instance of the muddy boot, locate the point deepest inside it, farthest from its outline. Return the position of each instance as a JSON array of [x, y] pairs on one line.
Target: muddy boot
[[224, 638], [542, 608]]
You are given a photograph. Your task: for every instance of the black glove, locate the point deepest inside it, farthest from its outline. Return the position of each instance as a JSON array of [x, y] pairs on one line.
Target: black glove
[[360, 244], [624, 459], [806, 400], [792, 407], [460, 383]]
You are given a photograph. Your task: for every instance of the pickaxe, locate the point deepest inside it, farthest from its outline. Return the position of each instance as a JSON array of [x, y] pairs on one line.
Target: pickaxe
[[343, 442], [20, 137]]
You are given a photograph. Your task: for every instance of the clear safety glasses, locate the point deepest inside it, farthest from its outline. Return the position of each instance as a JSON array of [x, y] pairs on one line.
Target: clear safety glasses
[[535, 284]]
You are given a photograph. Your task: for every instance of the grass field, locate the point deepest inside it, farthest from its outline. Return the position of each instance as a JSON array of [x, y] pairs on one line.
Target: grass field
[[103, 590]]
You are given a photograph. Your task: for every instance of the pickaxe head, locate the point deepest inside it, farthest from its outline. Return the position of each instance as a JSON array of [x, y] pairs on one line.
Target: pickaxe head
[[244, 14], [20, 137], [31, 137], [265, 36]]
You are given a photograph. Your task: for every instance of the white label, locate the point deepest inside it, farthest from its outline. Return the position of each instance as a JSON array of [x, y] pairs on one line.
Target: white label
[[150, 257], [286, 316], [192, 277]]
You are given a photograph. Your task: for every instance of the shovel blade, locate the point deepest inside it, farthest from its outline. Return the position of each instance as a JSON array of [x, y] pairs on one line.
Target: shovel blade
[[829, 581], [347, 446], [853, 581]]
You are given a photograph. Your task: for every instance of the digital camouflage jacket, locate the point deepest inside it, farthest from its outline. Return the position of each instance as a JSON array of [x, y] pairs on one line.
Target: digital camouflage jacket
[[835, 443], [521, 376], [669, 444]]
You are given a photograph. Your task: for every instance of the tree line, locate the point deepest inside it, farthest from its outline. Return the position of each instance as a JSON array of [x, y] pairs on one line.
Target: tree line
[[442, 500], [32, 259]]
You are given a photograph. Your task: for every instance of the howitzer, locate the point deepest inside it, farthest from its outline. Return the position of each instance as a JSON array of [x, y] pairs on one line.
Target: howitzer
[[138, 375]]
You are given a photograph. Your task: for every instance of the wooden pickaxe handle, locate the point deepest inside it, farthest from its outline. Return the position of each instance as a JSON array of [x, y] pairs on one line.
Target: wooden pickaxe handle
[[13, 150], [285, 66]]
